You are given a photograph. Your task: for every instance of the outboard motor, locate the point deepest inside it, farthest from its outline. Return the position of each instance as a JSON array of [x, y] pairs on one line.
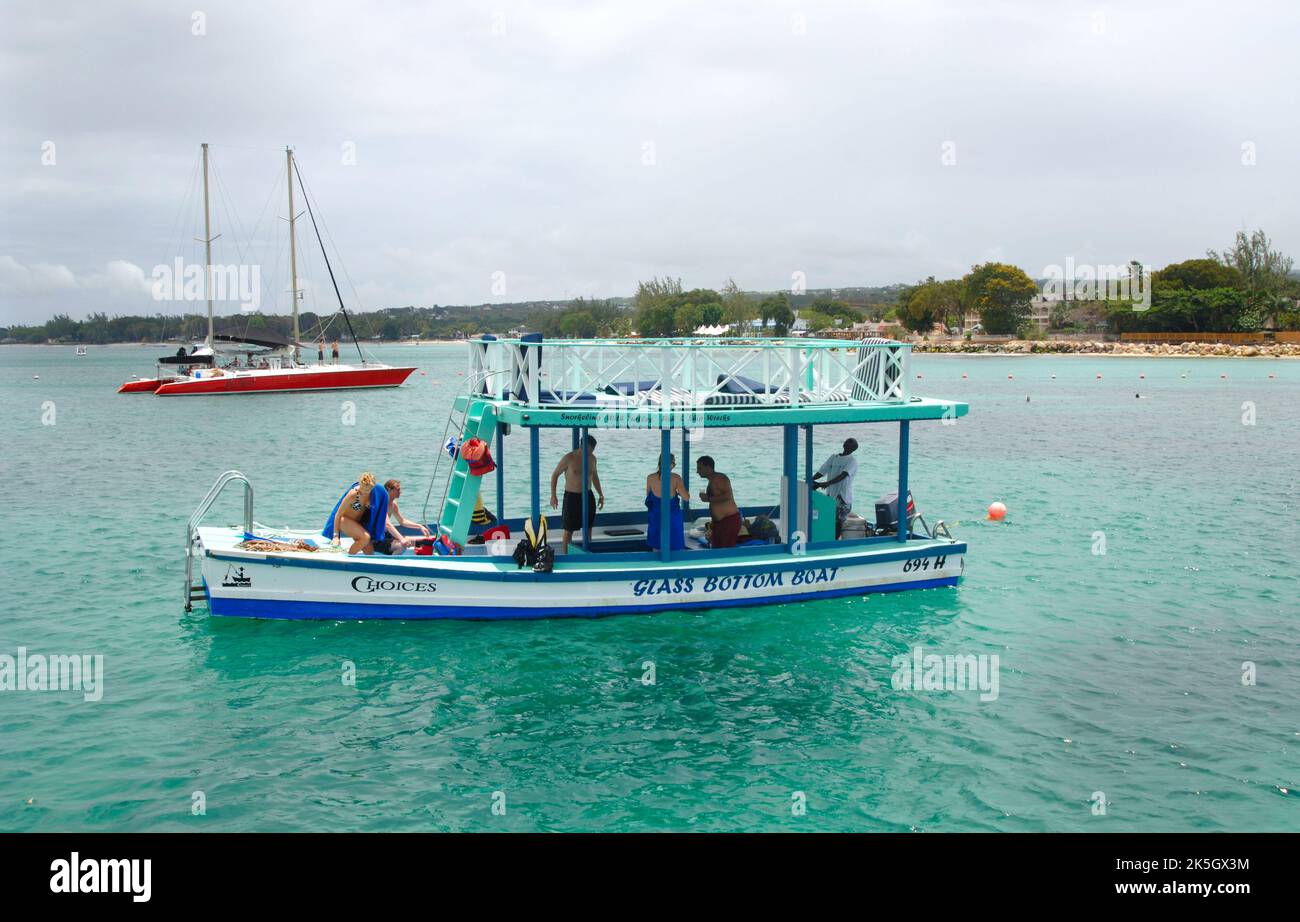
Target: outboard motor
[[887, 513]]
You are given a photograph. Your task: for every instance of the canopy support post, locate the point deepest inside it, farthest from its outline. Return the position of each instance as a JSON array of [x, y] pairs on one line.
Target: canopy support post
[[586, 487], [903, 522], [665, 491], [501, 475], [534, 465], [686, 467], [790, 468], [808, 453]]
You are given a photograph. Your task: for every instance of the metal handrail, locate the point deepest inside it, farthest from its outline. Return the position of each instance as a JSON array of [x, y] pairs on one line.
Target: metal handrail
[[474, 379], [191, 527]]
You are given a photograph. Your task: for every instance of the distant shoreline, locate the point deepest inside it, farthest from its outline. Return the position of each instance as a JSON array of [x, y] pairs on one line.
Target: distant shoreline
[[1112, 350], [1020, 347], [170, 346]]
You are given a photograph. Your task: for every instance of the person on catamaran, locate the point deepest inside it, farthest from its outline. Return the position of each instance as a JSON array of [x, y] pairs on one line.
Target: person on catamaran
[[840, 469], [334, 351], [654, 505], [722, 504], [361, 513], [571, 466], [320, 351], [394, 542]]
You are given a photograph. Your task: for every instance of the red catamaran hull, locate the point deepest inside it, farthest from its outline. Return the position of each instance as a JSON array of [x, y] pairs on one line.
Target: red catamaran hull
[[142, 386], [307, 380]]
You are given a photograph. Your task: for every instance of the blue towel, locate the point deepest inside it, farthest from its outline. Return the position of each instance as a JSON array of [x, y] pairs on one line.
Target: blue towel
[[676, 523], [376, 523]]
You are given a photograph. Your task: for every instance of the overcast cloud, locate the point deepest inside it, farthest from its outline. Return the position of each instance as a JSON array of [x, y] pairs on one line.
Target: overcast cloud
[[578, 147]]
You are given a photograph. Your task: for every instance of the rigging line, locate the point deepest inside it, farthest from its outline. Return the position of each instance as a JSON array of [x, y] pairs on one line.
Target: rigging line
[[307, 201], [178, 223], [232, 216], [275, 185], [173, 236], [247, 147], [356, 297]]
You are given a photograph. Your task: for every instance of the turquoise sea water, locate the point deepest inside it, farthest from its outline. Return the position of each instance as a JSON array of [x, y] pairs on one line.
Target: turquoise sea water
[[1119, 673]]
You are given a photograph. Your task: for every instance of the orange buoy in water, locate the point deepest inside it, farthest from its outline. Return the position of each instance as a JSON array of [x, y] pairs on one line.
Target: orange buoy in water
[[997, 512]]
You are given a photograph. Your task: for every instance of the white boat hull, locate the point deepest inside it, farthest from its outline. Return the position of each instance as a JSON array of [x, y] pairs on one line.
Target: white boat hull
[[333, 586]]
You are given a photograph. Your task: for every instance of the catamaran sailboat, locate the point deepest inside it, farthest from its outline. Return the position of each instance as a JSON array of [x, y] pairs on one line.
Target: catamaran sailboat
[[270, 362]]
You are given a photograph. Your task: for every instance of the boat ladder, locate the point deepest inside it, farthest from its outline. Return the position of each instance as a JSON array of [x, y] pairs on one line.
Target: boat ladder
[[195, 593], [463, 487]]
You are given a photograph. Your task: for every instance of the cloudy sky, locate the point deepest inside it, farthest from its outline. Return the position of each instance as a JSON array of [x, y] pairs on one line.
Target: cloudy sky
[[463, 152]]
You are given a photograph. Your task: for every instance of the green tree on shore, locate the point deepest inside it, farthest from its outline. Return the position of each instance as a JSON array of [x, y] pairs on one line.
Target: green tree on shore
[[923, 305], [656, 312], [1000, 294], [775, 309]]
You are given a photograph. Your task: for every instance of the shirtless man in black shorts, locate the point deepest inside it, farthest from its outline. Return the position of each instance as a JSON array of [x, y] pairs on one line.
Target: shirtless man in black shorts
[[571, 466]]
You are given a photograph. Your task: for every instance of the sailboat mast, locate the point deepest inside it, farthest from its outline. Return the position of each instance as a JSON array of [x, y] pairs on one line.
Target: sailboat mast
[[207, 243], [293, 254]]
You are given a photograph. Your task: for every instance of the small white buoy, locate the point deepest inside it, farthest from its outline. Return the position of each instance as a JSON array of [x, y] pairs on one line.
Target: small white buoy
[[1010, 377], [963, 374], [1053, 377], [1142, 377], [920, 376], [1223, 376], [1098, 377]]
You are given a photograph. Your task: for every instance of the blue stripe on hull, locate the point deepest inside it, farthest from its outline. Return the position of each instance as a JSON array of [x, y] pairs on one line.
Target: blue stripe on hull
[[360, 611]]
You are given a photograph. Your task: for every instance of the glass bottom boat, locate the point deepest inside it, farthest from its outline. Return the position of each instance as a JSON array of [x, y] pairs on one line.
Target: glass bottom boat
[[675, 386]]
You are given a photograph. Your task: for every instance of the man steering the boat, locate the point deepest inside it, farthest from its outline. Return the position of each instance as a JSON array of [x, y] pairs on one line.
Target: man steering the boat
[[571, 466], [722, 504], [840, 470]]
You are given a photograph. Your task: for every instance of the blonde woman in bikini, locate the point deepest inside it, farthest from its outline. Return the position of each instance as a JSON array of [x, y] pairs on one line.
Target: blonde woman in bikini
[[354, 508]]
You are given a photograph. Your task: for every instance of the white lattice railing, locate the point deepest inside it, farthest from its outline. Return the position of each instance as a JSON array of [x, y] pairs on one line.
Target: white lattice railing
[[690, 372]]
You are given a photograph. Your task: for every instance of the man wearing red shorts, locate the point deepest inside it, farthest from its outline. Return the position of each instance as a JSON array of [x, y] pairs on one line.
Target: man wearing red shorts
[[722, 505]]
